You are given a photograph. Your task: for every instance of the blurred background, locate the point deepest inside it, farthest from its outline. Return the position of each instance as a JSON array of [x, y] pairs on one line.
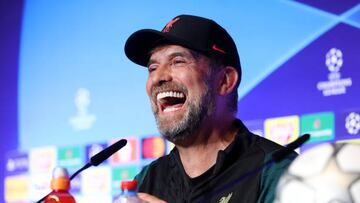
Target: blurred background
[[68, 90]]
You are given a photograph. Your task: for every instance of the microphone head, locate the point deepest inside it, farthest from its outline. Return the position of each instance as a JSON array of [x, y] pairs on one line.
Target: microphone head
[[107, 152], [282, 153]]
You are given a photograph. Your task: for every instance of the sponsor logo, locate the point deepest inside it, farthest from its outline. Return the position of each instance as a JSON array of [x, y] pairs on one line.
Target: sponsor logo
[[39, 185], [214, 47], [347, 124], [153, 147], [96, 180], [282, 130], [76, 185], [93, 149], [127, 154], [170, 24], [83, 120], [70, 157], [17, 163], [42, 160], [335, 85], [354, 141], [319, 125], [122, 173], [16, 188], [225, 199]]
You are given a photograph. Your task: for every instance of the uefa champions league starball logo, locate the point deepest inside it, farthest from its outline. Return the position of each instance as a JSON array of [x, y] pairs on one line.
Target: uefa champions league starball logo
[[352, 123], [334, 60], [336, 83]]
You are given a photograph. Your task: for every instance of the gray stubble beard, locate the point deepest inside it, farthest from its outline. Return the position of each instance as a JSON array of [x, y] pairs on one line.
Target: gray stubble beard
[[187, 127]]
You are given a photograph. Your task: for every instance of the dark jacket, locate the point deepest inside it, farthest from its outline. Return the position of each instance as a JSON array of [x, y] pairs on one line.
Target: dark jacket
[[239, 174]]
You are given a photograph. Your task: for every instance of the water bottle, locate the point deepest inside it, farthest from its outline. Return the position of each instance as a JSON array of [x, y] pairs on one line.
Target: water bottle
[[60, 185], [128, 193]]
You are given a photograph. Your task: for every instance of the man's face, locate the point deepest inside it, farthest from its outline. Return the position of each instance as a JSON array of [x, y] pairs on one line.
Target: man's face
[[179, 90]]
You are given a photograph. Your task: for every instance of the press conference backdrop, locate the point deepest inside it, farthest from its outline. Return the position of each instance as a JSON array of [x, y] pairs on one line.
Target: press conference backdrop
[[78, 92]]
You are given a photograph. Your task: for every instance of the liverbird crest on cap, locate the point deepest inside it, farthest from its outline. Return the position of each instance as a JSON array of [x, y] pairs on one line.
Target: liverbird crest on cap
[[170, 24]]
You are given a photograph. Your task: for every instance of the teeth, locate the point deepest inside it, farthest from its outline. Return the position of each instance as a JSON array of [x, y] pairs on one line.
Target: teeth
[[170, 94], [170, 109]]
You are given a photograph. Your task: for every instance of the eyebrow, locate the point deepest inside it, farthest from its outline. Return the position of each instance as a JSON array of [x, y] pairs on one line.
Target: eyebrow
[[170, 56], [175, 54]]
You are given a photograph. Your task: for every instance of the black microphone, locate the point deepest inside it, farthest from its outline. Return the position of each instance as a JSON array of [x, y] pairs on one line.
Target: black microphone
[[97, 159], [107, 152], [102, 156], [282, 153]]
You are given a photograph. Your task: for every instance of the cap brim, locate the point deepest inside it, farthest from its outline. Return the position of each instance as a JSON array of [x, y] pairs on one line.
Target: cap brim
[[140, 43]]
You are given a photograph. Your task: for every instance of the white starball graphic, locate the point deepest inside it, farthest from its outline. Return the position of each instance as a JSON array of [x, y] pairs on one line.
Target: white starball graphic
[[334, 59], [352, 123]]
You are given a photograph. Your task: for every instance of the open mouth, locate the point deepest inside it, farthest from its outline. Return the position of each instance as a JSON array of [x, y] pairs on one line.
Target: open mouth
[[170, 101]]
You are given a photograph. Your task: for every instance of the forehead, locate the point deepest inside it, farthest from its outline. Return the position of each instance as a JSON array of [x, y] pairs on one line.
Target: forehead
[[169, 50], [165, 53]]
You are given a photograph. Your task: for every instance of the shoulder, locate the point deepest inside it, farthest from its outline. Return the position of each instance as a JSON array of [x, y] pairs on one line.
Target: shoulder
[[272, 172], [258, 145], [153, 170], [250, 140], [268, 147]]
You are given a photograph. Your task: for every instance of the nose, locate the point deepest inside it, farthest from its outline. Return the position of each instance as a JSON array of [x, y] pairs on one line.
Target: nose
[[161, 75]]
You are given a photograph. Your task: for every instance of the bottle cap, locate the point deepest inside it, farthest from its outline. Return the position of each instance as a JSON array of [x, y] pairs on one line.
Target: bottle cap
[[60, 179], [128, 185]]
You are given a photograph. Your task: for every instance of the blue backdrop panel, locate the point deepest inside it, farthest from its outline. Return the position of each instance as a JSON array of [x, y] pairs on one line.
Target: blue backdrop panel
[[332, 6], [298, 86]]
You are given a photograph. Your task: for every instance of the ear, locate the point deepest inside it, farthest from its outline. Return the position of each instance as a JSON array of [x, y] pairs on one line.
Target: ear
[[228, 81]]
